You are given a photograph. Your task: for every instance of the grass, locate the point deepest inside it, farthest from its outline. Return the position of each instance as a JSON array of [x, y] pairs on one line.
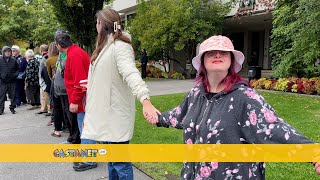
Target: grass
[[302, 112]]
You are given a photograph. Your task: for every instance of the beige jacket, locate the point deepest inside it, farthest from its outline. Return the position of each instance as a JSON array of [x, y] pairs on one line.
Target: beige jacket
[[113, 83]]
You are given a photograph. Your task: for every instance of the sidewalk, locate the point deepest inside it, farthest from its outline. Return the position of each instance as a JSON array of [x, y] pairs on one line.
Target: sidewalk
[[26, 127]]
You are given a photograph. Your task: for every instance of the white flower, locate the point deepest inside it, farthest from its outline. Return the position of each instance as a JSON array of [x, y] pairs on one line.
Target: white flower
[[271, 126], [247, 123], [192, 124], [287, 136]]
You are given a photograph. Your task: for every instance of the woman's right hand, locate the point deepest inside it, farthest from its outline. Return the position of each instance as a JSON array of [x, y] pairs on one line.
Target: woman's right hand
[[150, 113]]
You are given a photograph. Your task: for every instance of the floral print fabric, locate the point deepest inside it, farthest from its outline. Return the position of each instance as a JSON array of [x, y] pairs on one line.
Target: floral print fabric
[[32, 73], [241, 116]]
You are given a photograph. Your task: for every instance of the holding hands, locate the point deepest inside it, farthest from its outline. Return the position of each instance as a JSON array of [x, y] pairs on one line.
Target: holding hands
[[317, 167], [150, 113]]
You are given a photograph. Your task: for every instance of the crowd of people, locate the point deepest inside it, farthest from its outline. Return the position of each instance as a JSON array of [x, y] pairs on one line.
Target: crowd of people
[[94, 99]]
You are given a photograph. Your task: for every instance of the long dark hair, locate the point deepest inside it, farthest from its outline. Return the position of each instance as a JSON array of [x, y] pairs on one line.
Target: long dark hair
[[107, 18]]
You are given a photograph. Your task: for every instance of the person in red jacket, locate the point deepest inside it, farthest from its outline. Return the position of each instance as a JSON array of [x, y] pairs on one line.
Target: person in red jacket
[[76, 69]]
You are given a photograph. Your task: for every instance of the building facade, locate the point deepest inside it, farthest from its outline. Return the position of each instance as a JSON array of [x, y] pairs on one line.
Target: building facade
[[248, 25]]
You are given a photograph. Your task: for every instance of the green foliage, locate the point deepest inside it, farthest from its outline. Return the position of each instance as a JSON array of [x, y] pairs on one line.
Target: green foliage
[[47, 22], [295, 38], [294, 88], [282, 84], [78, 17], [165, 75], [177, 75], [177, 24], [28, 21]]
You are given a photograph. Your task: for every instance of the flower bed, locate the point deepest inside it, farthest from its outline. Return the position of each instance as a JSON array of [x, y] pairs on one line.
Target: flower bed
[[295, 85], [154, 72]]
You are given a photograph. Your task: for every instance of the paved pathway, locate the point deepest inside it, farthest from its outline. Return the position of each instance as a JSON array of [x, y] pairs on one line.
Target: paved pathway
[[26, 127]]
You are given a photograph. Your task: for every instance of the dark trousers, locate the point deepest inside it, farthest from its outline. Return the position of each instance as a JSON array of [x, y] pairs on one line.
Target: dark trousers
[[33, 94], [20, 92], [58, 113], [74, 136], [143, 70], [9, 88]]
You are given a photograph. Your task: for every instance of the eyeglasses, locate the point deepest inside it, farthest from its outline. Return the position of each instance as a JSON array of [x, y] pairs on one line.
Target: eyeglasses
[[215, 53]]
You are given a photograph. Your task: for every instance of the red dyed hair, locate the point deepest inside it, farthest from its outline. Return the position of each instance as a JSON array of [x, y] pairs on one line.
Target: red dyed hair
[[231, 78]]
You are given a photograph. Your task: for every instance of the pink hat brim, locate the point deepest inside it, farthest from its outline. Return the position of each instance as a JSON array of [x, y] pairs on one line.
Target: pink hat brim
[[238, 56]]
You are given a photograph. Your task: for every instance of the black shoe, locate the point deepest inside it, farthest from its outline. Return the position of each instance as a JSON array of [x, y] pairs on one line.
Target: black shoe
[[1, 113], [13, 111], [41, 112], [75, 164], [84, 166], [70, 139], [65, 130]]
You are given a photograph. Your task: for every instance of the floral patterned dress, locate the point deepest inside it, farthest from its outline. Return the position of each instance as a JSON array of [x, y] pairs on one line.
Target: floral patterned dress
[[240, 116], [32, 73]]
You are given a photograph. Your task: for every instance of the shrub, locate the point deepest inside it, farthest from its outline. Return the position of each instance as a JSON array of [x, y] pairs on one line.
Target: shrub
[[296, 85], [300, 87], [317, 86], [294, 88], [290, 84], [267, 84], [254, 83], [165, 75], [177, 75], [282, 84], [309, 87], [259, 84]]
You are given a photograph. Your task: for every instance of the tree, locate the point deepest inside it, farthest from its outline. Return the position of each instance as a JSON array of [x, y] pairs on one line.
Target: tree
[[46, 21], [166, 25], [295, 38], [78, 17], [14, 16], [28, 21]]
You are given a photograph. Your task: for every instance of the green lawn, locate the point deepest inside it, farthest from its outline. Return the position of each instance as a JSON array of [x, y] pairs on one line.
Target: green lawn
[[302, 112]]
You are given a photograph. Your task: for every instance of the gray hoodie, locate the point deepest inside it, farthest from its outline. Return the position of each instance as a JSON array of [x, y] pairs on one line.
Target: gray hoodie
[[59, 85]]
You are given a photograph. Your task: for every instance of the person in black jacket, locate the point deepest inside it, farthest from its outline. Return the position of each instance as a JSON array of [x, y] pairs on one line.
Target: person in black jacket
[[20, 82], [8, 74], [144, 61]]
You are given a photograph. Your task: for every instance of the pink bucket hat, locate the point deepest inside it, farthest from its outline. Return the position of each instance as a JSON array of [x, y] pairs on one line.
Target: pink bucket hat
[[220, 43]]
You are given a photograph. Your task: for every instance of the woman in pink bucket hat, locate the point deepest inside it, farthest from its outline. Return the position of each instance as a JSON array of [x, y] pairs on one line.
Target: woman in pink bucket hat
[[223, 109]]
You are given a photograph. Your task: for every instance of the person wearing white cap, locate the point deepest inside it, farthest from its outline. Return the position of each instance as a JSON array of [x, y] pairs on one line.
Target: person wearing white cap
[[223, 109], [20, 82]]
